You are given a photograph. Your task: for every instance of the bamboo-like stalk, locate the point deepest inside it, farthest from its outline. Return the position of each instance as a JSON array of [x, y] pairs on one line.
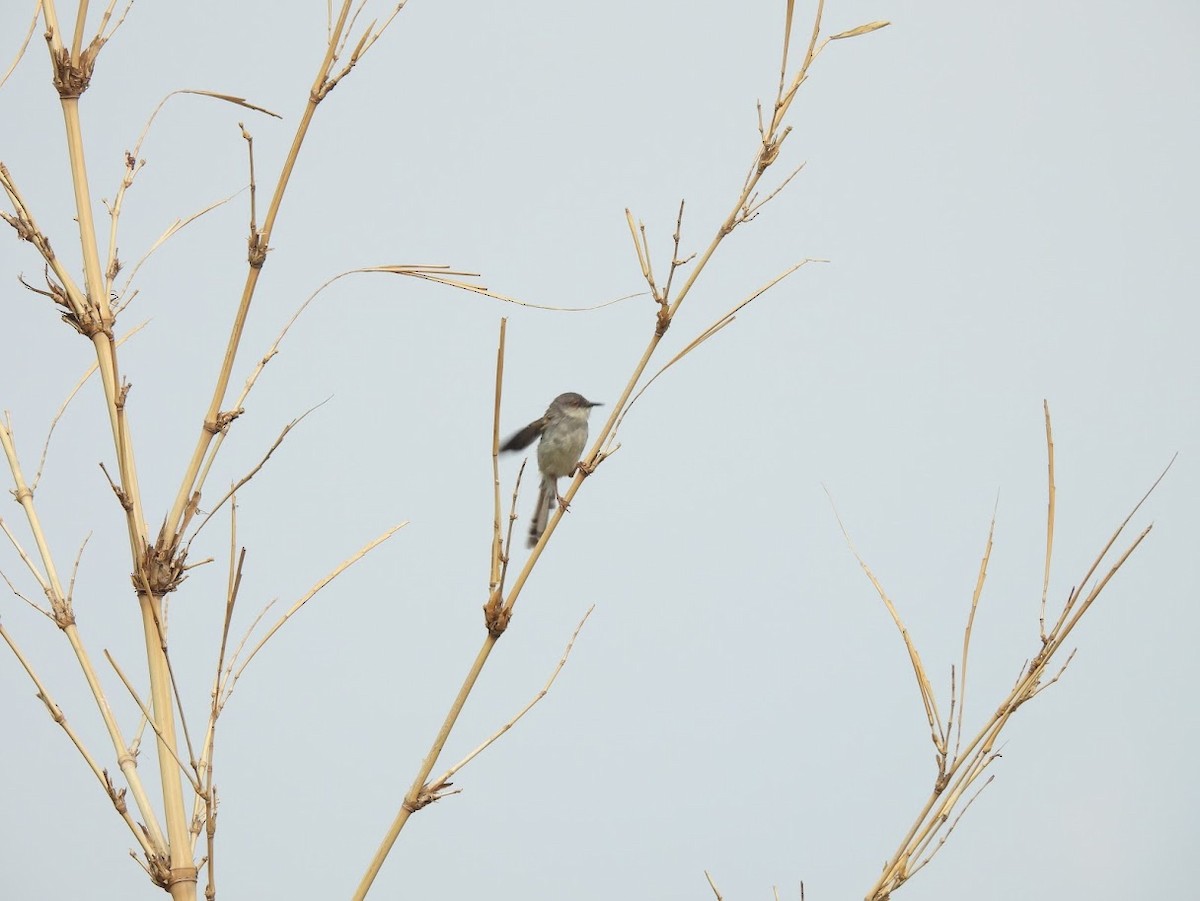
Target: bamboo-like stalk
[[150, 847], [416, 798], [772, 139], [420, 792], [745, 207], [497, 546], [72, 73], [64, 616], [259, 247], [157, 568]]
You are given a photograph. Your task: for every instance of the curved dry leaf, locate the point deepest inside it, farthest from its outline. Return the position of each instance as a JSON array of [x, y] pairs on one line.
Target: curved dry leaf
[[861, 29], [229, 98]]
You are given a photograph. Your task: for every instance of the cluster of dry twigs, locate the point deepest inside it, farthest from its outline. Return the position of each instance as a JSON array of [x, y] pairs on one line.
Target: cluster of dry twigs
[[166, 835], [959, 765]]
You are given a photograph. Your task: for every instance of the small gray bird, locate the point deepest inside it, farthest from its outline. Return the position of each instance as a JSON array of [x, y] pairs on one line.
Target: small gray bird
[[563, 430]]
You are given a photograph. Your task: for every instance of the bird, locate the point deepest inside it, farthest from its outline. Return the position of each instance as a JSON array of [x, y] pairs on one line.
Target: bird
[[563, 431]]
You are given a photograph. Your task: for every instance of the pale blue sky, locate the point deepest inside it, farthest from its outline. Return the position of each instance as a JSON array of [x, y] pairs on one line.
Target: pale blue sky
[[1007, 197]]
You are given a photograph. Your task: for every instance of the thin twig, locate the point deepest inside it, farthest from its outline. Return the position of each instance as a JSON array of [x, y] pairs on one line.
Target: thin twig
[[169, 232], [37, 6], [713, 885], [28, 561], [1049, 518], [183, 768], [497, 549], [512, 519], [975, 596], [63, 407], [116, 795], [228, 680], [337, 571], [365, 43], [676, 260], [946, 834], [213, 421], [255, 470], [725, 320], [441, 782], [13, 589], [75, 568], [1062, 669]]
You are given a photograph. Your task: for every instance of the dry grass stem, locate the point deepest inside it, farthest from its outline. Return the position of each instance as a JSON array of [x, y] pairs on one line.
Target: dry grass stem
[[512, 520], [436, 788], [116, 795], [753, 206], [239, 405], [713, 886], [259, 247], [1073, 598], [159, 617], [204, 807], [64, 618], [946, 835], [1049, 519], [975, 596], [637, 231], [183, 768], [1062, 669], [229, 678], [240, 483], [312, 592], [133, 165], [14, 590], [416, 798], [667, 308], [370, 35], [676, 260], [771, 140], [958, 772], [24, 496], [81, 26], [169, 232], [24, 43], [724, 320], [444, 275], [497, 548], [231, 593], [113, 265], [771, 135], [31, 566], [71, 396], [75, 567]]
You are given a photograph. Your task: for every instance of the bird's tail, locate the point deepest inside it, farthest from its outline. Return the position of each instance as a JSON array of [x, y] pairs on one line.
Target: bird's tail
[[541, 513]]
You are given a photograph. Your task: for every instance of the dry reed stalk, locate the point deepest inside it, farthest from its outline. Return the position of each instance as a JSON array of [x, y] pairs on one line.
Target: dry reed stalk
[[159, 564], [959, 769], [500, 605]]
